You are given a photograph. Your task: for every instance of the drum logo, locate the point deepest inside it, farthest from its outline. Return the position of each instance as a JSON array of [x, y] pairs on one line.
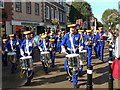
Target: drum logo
[[76, 38]]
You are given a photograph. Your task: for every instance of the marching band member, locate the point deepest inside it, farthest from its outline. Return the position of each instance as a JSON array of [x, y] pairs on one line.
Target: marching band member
[[11, 46], [4, 53], [26, 50], [82, 39], [52, 47], [43, 46], [18, 43], [52, 50], [88, 42], [96, 44], [100, 37], [59, 40], [72, 43]]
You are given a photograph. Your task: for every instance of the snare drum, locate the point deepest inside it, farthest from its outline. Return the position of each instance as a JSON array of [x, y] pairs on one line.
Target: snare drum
[[83, 54], [45, 56], [11, 53], [12, 56], [73, 60], [26, 62]]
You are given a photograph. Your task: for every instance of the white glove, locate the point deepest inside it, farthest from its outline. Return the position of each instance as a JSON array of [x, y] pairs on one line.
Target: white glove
[[21, 52], [94, 44], [40, 48], [80, 48], [86, 43], [30, 44], [50, 49], [63, 49]]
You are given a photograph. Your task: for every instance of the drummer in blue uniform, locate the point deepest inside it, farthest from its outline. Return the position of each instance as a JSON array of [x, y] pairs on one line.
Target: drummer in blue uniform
[[43, 46], [59, 40], [11, 46], [100, 37], [18, 43], [71, 45], [26, 50], [4, 54], [96, 44], [52, 47], [88, 45]]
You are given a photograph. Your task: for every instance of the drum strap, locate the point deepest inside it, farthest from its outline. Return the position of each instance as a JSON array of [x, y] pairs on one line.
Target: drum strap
[[71, 41], [27, 47], [11, 43], [44, 45]]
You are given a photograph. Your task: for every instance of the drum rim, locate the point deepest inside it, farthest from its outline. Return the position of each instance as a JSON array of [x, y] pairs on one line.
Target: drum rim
[[45, 52], [26, 57], [12, 53], [69, 55]]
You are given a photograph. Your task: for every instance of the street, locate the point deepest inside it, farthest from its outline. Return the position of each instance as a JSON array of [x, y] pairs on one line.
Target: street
[[57, 77]]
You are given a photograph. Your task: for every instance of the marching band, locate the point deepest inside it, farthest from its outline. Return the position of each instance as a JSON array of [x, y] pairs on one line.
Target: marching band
[[74, 44]]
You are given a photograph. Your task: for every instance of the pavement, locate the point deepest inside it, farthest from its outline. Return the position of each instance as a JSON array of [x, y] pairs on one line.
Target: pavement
[[57, 77]]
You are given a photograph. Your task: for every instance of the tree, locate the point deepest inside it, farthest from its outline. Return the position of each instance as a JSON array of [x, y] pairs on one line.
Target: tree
[[110, 18], [80, 10]]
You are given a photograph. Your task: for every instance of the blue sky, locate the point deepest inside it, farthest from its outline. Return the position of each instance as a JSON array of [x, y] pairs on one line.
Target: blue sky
[[99, 6]]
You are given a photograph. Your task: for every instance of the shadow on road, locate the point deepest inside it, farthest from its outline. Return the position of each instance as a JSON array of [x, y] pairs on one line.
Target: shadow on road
[[101, 79], [102, 70], [55, 79]]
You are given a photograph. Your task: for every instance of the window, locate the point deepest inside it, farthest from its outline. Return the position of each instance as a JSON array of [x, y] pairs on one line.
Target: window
[[28, 7], [64, 17], [52, 13], [60, 18], [47, 13], [1, 3], [57, 14], [36, 8], [18, 7]]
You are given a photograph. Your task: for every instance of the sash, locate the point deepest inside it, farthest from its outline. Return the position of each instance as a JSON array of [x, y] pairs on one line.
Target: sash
[[71, 41]]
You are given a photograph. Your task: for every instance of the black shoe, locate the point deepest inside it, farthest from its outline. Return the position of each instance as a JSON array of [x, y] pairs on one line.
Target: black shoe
[[27, 84], [76, 86]]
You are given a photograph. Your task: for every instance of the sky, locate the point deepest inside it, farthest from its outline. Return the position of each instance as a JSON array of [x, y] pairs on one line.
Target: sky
[[99, 6]]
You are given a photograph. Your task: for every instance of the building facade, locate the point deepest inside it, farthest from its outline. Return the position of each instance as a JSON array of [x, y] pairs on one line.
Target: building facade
[[34, 16], [54, 10]]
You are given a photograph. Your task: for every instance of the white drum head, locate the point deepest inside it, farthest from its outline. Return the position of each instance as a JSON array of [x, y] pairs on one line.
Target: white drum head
[[45, 53], [72, 55], [83, 51], [26, 57], [11, 53]]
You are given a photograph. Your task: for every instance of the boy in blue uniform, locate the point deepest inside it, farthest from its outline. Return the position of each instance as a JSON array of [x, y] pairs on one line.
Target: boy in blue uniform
[[100, 37], [11, 46], [59, 40], [72, 41], [43, 46], [18, 43], [52, 47], [88, 45], [26, 50], [96, 44]]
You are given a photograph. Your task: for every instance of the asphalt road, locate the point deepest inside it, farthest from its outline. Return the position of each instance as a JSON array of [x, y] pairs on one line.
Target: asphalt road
[[57, 77]]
